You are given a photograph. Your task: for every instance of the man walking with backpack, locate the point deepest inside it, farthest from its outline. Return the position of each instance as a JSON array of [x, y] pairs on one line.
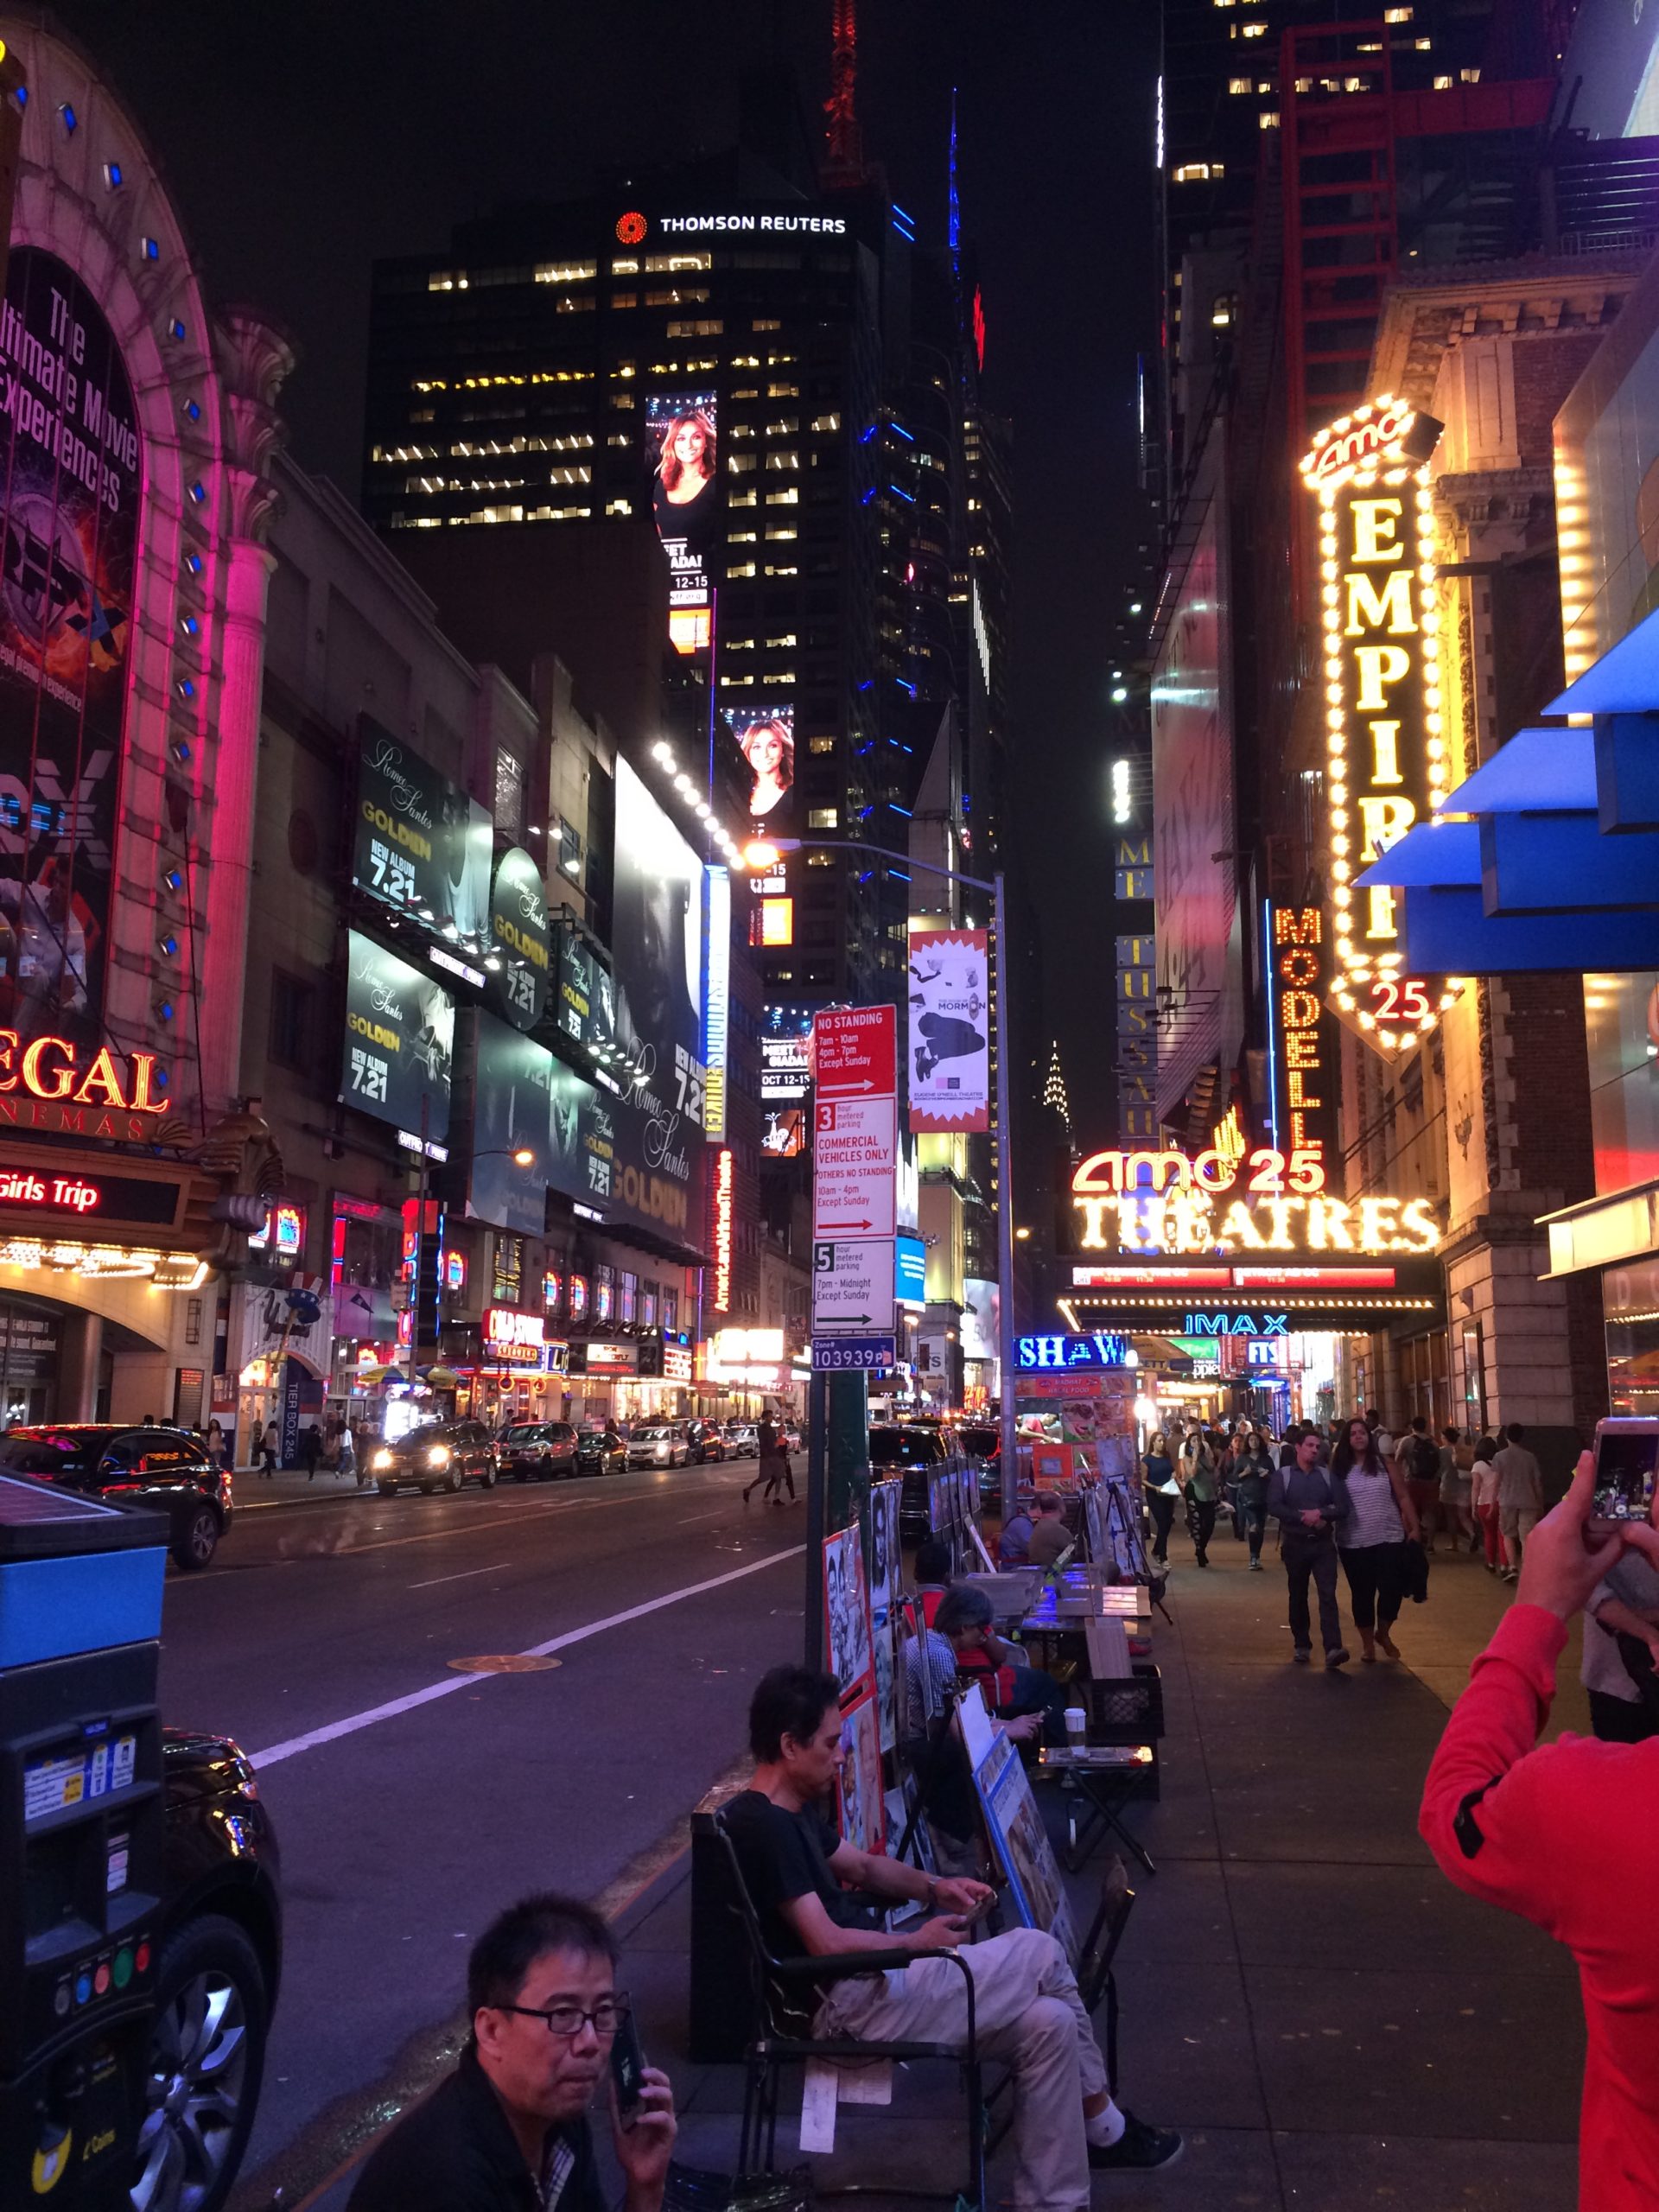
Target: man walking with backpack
[[1419, 1460]]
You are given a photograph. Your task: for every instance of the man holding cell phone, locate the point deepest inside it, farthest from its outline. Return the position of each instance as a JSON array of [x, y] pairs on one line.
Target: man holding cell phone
[[1566, 1834], [508, 2130]]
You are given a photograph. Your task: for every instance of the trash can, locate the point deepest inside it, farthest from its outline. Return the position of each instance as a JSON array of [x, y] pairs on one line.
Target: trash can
[[81, 1840]]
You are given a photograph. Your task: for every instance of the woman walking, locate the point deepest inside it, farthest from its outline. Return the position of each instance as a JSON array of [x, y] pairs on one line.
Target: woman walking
[[1163, 1495], [1371, 1540], [1252, 1470], [1482, 1497], [1456, 1488], [1202, 1490]]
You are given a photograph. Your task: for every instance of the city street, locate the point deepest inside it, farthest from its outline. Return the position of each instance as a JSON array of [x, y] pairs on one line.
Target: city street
[[411, 1801]]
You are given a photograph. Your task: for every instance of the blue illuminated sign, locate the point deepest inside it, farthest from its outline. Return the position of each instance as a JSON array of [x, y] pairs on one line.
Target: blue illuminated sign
[[1046, 1355], [910, 1271]]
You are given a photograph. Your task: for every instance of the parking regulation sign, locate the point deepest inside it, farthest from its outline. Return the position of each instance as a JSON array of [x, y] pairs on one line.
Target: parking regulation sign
[[860, 1355], [852, 1286]]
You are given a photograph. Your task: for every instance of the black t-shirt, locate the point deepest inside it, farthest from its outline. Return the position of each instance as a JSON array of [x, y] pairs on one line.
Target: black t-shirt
[[784, 1856], [456, 2152]]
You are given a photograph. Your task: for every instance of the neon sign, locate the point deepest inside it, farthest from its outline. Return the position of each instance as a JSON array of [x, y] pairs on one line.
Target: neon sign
[[1164, 1202], [1042, 1355], [1385, 744], [1296, 950], [723, 1179], [50, 1069], [515, 1339]]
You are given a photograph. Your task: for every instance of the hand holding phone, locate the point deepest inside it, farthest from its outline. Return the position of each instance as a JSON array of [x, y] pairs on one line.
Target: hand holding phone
[[1626, 1457], [627, 2069]]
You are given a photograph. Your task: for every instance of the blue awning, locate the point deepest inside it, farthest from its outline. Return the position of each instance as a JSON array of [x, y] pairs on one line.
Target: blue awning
[[1433, 853], [1448, 933], [1539, 770], [1625, 681]]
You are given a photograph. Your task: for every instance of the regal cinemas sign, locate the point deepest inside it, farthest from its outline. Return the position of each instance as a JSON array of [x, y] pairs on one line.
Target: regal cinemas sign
[[49, 1084]]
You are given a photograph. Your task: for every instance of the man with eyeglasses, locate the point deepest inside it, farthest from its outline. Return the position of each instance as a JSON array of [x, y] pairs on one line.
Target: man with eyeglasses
[[508, 2130]]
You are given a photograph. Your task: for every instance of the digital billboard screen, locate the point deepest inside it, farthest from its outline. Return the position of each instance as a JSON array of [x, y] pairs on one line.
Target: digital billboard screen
[[766, 736], [399, 1042], [72, 492], [519, 933], [422, 846], [681, 448], [511, 1113]]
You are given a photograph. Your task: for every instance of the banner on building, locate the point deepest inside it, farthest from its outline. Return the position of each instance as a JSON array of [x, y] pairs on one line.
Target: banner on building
[[511, 1114], [586, 1007], [422, 846], [680, 449], [73, 490], [766, 735], [519, 938], [399, 1041], [265, 1325], [949, 1029]]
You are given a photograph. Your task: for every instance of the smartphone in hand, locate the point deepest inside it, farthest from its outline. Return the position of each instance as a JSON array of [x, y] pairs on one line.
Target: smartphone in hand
[[627, 2067], [1626, 1456]]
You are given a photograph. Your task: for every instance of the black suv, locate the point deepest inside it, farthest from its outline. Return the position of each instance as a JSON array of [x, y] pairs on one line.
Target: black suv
[[439, 1455], [164, 1469], [913, 1451], [536, 1448], [216, 1979]]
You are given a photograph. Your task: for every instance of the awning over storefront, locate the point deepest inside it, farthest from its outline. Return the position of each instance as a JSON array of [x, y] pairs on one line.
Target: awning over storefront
[[1600, 1232], [1220, 1300]]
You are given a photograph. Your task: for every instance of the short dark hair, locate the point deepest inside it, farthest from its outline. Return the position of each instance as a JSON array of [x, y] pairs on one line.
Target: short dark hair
[[933, 1561], [1046, 1502], [962, 1606], [1485, 1448], [527, 1931], [1450, 1435], [788, 1701], [1515, 1432], [1419, 1423]]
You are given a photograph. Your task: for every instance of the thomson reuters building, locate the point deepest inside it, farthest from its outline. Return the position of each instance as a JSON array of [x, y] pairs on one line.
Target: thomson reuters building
[[133, 428]]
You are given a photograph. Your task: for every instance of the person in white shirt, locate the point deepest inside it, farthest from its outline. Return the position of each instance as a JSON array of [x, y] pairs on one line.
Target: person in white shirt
[[1482, 1497]]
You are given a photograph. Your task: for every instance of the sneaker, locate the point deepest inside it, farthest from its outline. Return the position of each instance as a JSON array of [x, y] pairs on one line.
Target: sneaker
[[1301, 1655], [1335, 1658], [1256, 1566], [1138, 2149]]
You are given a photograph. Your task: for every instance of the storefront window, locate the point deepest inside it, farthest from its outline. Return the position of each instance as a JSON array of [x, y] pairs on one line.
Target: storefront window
[[576, 1296], [509, 1270], [627, 1298], [670, 1321], [604, 1293], [648, 1306], [1623, 1079], [551, 1289], [1629, 1299]]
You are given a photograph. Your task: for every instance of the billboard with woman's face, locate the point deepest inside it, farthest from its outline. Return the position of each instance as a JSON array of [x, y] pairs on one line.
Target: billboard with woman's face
[[766, 735], [680, 448]]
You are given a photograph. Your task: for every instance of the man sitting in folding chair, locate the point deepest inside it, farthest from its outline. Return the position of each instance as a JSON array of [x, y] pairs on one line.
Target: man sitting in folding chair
[[1028, 2014]]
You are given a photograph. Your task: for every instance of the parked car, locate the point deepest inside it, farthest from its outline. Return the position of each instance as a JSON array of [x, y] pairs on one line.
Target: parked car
[[599, 1454], [660, 1446], [439, 1455], [218, 1971], [742, 1439], [706, 1441], [914, 1451], [165, 1469], [535, 1450]]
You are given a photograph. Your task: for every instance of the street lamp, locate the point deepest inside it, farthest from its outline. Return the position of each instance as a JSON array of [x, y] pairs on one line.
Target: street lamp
[[764, 853], [521, 1156]]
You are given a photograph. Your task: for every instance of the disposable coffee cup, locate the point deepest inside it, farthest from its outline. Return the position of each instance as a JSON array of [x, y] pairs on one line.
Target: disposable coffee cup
[[1076, 1721]]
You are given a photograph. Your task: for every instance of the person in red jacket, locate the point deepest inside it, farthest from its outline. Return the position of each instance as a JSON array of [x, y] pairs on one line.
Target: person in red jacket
[[1567, 1836]]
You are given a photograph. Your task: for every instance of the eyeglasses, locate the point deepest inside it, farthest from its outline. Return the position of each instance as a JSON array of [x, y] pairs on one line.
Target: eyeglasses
[[568, 2021]]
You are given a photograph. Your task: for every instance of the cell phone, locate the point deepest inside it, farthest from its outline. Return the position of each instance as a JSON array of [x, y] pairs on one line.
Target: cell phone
[[975, 1913], [1626, 1456], [627, 2067]]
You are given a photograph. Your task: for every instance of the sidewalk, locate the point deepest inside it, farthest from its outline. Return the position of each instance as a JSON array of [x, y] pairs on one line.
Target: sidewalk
[[1330, 2023], [252, 1490]]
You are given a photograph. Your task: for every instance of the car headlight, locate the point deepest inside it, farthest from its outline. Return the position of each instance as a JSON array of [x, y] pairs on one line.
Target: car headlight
[[661, 1450], [438, 1456], [379, 1461]]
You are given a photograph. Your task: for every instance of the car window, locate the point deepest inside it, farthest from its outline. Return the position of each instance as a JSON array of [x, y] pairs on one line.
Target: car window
[[522, 1432], [53, 1452], [156, 1454], [560, 1431]]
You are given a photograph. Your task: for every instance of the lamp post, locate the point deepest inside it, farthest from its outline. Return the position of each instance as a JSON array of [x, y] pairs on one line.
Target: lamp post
[[760, 854]]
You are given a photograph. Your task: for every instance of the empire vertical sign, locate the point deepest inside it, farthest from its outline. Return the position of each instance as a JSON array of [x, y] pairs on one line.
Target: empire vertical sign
[[1386, 754], [1135, 1065]]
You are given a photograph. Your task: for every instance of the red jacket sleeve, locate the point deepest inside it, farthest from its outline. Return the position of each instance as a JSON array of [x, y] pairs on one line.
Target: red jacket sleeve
[[1499, 1815]]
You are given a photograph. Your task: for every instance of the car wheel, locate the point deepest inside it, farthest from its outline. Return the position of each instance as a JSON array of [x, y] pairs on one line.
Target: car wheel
[[452, 1481], [206, 2056], [487, 1477], [198, 1539]]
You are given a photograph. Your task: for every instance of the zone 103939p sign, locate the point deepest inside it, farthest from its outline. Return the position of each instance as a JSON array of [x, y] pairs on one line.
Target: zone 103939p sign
[[1387, 764]]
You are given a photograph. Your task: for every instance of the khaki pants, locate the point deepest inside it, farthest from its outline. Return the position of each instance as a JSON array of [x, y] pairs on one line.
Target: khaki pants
[[1028, 2014]]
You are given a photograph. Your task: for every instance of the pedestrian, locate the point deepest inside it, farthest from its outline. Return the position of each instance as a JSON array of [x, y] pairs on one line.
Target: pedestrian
[[1013, 1546], [215, 1446], [1417, 1457], [1372, 1540], [346, 1456], [1202, 1490], [1291, 1438], [269, 1444], [310, 1449], [1382, 1434], [772, 1469], [1456, 1488], [1483, 1499], [1520, 1497], [1567, 1836], [1163, 1494], [1621, 1621], [1309, 1506], [1253, 1470]]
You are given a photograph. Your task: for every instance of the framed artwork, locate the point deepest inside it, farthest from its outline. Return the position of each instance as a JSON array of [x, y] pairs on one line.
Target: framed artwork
[[1020, 1842], [939, 1505], [863, 1805], [847, 1610], [886, 1560]]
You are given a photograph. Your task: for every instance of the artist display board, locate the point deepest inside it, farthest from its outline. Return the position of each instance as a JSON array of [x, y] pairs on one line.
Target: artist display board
[[1075, 1427], [1020, 1842], [885, 1566]]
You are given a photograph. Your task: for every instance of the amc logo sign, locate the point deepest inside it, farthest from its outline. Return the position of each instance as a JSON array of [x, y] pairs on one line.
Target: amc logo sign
[[1348, 443]]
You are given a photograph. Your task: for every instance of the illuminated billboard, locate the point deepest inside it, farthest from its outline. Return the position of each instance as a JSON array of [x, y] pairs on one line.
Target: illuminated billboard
[[949, 1029], [518, 931], [399, 1042], [767, 737], [73, 489], [681, 451], [423, 846], [1302, 1059], [1221, 1202], [1385, 745]]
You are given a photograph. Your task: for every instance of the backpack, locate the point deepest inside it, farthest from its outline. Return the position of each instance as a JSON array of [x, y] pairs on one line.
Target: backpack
[[1425, 1461]]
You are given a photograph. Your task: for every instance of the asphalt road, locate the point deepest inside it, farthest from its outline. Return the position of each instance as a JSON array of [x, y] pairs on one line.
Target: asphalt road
[[412, 1801]]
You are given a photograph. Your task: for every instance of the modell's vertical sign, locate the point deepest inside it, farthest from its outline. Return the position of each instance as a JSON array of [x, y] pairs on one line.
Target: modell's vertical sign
[[1386, 767], [72, 495], [1302, 1035]]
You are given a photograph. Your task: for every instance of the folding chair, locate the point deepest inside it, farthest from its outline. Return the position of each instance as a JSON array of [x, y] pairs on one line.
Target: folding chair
[[784, 1999], [1095, 1979]]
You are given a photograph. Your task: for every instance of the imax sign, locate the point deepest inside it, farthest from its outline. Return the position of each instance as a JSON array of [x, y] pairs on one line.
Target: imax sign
[[1236, 1324]]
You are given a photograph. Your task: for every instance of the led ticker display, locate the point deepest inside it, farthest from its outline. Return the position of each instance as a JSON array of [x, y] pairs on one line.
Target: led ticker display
[[1385, 743], [1267, 1201]]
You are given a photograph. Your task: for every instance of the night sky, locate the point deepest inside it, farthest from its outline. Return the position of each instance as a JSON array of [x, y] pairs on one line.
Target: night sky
[[301, 140]]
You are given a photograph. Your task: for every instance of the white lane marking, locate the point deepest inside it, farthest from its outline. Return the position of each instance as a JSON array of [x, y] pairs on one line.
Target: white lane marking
[[690, 1517], [465, 1575], [334, 1730]]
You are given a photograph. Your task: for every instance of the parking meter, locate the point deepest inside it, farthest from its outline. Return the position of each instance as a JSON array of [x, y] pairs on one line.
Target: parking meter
[[81, 1840]]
